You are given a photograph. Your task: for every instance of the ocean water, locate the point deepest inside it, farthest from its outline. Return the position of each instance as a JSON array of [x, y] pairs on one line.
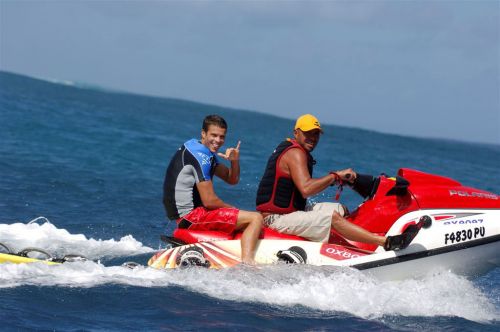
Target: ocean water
[[82, 172]]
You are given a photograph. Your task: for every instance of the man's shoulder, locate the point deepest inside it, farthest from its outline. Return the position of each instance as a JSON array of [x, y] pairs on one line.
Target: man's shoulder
[[200, 152], [294, 154], [193, 143], [196, 148]]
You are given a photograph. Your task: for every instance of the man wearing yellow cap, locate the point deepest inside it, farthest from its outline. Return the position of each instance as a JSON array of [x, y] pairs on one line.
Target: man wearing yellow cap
[[288, 181]]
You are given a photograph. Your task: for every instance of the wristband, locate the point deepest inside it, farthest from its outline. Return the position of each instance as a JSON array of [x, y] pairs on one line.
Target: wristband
[[337, 179]]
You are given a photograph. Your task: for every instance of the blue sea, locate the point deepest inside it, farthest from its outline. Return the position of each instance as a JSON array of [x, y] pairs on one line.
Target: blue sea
[[81, 171]]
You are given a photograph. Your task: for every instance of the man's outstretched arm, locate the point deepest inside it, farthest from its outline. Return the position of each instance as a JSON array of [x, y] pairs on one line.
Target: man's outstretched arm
[[295, 161], [230, 175]]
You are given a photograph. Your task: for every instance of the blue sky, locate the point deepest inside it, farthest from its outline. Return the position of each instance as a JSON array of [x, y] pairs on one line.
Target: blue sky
[[419, 68]]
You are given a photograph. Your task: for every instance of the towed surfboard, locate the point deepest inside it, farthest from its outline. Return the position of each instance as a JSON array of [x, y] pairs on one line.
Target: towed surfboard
[[16, 259], [23, 256]]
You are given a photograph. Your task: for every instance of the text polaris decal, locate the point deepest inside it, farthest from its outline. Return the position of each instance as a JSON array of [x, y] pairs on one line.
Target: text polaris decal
[[473, 194]]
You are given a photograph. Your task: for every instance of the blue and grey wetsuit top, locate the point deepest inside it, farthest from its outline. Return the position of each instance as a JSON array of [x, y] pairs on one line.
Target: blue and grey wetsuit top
[[192, 163]]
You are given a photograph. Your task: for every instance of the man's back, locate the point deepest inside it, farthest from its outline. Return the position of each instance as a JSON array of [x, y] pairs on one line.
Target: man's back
[[192, 163]]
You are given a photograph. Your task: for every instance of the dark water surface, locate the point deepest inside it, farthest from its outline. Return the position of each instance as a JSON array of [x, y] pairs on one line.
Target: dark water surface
[[92, 164]]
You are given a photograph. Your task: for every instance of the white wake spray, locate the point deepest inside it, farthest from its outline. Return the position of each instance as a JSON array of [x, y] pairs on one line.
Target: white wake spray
[[325, 290], [320, 289], [40, 233], [346, 290]]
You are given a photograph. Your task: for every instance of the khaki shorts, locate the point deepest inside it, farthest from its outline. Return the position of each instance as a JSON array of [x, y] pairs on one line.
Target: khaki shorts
[[313, 224]]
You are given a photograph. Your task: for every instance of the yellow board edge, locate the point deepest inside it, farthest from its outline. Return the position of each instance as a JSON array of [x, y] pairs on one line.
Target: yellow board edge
[[7, 258]]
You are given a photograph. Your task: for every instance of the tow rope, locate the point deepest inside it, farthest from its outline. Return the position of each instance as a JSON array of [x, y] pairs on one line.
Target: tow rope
[[338, 180]]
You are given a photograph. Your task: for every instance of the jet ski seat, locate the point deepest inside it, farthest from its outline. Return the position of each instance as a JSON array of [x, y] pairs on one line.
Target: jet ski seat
[[193, 236]]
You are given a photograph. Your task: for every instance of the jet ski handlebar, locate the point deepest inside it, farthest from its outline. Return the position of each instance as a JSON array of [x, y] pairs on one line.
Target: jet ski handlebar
[[365, 185]]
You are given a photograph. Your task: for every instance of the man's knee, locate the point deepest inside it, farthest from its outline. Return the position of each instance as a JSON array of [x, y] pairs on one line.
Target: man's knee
[[345, 210], [257, 219], [336, 218], [252, 218]]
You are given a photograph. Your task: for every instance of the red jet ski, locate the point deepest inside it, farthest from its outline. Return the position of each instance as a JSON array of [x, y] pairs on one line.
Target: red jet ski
[[459, 231]]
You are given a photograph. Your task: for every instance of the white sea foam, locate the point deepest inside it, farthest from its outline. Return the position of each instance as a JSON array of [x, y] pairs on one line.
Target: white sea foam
[[350, 291], [40, 233], [322, 289], [62, 82], [77, 274]]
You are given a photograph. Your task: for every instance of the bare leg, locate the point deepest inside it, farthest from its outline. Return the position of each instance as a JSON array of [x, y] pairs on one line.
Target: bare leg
[[354, 232], [251, 222]]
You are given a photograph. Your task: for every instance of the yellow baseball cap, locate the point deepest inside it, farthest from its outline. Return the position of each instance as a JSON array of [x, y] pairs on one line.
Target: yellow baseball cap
[[307, 122]]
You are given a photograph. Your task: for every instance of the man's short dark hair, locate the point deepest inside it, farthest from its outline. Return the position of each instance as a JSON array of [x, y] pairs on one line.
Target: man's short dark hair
[[215, 120]]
